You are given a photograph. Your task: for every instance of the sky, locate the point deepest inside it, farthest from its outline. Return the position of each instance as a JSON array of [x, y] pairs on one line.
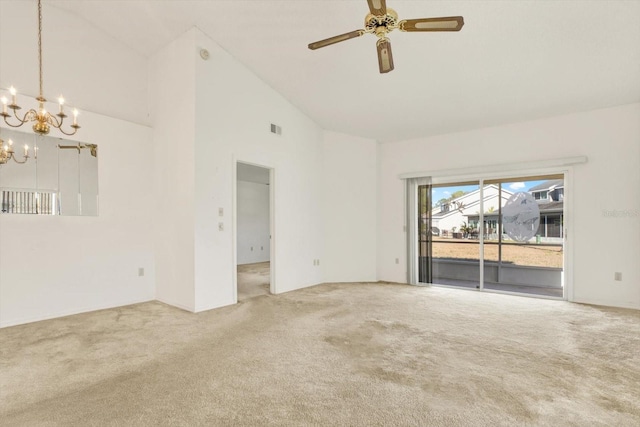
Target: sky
[[445, 192]]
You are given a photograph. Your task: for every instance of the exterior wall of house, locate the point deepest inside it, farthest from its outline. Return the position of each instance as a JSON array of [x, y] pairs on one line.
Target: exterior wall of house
[[470, 206]]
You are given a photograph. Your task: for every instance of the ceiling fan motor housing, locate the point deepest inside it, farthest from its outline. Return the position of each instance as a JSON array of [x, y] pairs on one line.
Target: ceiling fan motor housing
[[381, 25]]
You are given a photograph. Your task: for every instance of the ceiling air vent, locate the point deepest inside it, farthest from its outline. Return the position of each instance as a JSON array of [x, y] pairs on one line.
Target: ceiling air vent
[[276, 129]]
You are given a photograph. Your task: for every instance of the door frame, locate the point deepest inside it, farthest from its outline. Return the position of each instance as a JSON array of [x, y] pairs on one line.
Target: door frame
[[272, 225], [548, 167]]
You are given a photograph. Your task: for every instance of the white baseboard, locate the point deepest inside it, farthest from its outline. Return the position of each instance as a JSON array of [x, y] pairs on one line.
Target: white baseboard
[[64, 313], [173, 304]]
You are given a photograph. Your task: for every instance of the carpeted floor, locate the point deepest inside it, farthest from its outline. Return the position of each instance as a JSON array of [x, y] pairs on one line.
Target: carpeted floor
[[364, 354], [253, 280]]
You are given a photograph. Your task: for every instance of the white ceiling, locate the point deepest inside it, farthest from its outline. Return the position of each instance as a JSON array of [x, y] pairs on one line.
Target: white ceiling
[[512, 61]]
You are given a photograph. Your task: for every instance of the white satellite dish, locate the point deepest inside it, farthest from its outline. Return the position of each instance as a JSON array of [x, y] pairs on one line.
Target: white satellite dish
[[521, 217]]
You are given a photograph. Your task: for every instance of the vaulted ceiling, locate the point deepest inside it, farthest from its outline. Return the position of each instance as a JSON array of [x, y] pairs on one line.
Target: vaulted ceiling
[[512, 61]]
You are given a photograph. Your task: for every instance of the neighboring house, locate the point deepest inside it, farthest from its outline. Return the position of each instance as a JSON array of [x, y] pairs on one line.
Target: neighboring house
[[466, 209], [549, 195], [550, 198], [548, 191]]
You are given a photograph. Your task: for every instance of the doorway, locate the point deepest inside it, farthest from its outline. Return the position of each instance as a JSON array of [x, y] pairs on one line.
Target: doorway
[[502, 235], [254, 195]]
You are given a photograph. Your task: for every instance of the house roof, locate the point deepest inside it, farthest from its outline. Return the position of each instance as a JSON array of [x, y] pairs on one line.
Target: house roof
[[551, 207], [544, 208], [548, 185], [475, 201]]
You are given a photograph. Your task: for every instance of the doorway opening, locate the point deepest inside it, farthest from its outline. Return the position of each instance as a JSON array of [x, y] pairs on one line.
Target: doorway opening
[[254, 196], [501, 235]]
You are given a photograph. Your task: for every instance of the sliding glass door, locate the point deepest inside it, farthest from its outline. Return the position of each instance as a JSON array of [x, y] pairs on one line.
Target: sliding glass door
[[450, 244], [526, 256], [504, 235]]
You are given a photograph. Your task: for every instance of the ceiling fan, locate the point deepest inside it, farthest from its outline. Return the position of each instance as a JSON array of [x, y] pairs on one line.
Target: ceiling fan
[[383, 20]]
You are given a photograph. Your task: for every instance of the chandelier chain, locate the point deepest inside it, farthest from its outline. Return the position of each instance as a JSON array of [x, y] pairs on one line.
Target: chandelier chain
[[40, 44]]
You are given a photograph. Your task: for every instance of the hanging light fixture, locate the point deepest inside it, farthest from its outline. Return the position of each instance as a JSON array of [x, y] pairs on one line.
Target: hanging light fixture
[[7, 153], [42, 118]]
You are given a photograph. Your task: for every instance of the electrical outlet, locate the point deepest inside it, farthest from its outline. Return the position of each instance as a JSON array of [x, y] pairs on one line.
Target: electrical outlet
[[140, 271], [221, 226], [220, 211], [617, 276]]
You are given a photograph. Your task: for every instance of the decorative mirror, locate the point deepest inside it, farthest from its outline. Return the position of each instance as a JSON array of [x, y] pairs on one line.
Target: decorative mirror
[[45, 175]]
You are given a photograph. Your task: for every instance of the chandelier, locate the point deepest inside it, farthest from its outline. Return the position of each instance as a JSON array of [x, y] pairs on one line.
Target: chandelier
[[7, 153], [42, 118]]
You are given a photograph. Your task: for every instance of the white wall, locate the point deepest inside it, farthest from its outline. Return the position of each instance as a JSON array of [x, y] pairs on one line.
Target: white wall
[[234, 110], [172, 95], [52, 266], [349, 210], [253, 242], [603, 244]]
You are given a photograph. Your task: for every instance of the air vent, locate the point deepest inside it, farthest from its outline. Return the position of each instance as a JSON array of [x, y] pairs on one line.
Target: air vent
[[276, 129]]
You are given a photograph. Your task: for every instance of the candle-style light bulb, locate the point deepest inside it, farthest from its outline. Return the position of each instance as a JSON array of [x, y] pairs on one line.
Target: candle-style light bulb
[[13, 92], [61, 102], [35, 152], [75, 116], [26, 150], [4, 101], [10, 142]]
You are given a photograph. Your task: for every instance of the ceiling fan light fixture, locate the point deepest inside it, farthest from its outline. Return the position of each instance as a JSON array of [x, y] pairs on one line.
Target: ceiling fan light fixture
[[382, 20]]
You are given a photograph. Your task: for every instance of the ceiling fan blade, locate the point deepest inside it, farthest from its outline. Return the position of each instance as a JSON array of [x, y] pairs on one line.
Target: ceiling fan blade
[[385, 58], [450, 23], [377, 7], [335, 39]]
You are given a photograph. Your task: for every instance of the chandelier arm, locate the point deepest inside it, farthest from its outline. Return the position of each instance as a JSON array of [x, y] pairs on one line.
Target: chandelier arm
[[22, 121], [20, 162], [75, 129], [53, 121]]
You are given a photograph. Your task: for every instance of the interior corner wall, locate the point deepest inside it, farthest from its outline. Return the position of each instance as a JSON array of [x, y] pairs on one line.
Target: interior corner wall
[[172, 97], [606, 205], [349, 208], [253, 222], [234, 111]]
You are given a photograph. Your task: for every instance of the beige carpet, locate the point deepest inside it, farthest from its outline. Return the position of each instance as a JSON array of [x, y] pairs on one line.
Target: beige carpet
[[332, 355], [253, 280]]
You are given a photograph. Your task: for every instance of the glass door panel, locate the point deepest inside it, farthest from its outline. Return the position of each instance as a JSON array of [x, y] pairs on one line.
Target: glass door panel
[[454, 236], [523, 242]]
